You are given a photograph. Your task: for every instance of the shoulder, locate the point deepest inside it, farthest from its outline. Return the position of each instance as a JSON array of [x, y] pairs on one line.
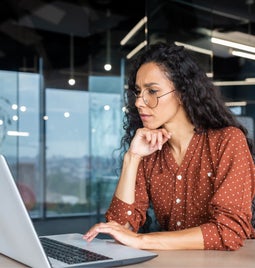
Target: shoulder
[[226, 133], [229, 145], [228, 137]]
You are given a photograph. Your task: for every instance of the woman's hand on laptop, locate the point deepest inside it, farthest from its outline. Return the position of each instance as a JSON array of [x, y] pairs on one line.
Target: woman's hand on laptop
[[119, 232]]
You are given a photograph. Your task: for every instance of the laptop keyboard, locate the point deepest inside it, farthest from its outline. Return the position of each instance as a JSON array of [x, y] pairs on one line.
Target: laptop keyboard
[[67, 253]]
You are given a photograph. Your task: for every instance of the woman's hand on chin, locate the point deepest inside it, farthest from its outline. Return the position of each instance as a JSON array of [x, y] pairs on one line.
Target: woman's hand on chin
[[146, 141]]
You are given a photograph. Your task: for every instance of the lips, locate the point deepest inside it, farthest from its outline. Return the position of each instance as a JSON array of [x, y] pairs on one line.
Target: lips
[[145, 117]]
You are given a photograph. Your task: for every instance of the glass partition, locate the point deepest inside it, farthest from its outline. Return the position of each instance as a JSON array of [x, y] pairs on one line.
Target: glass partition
[[19, 124], [81, 129]]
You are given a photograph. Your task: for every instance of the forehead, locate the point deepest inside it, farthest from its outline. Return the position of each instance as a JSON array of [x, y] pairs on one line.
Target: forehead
[[151, 73], [149, 69]]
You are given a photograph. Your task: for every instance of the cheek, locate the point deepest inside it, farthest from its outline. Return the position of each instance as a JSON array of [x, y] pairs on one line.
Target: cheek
[[168, 110], [163, 113]]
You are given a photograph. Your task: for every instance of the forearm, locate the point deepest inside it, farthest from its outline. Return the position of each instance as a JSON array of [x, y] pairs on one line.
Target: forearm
[[191, 238], [125, 190]]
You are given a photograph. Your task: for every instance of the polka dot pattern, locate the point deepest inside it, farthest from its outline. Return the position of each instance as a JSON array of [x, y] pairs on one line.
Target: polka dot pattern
[[212, 188]]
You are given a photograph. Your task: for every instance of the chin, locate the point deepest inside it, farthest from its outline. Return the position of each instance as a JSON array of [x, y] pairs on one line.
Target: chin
[[150, 126]]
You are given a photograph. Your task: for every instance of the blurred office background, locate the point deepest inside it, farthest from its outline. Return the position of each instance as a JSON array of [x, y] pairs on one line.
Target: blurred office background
[[60, 137]]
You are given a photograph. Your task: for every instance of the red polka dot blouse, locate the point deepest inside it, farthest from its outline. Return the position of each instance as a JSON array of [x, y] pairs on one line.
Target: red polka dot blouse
[[212, 188]]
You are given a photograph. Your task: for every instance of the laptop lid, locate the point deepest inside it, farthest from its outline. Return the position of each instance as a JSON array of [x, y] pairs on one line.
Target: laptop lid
[[19, 240]]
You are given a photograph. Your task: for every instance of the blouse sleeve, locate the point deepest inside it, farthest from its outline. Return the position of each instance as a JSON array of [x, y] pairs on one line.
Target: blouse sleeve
[[135, 213], [230, 206]]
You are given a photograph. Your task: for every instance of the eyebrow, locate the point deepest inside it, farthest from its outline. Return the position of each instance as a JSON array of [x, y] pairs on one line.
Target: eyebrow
[[148, 84]]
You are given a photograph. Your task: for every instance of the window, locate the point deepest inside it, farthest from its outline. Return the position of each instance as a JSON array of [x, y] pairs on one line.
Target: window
[[61, 153]]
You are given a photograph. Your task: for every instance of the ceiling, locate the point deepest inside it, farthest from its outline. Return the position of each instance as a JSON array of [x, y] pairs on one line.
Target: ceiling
[[33, 29], [219, 18], [194, 22], [44, 29]]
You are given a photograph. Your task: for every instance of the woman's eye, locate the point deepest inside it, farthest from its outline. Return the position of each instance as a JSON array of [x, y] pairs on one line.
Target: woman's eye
[[137, 92], [152, 91]]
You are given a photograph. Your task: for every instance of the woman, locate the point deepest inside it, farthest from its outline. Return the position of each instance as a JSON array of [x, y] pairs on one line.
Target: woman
[[186, 155]]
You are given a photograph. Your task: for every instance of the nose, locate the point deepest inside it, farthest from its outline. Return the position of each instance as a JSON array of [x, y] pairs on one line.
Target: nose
[[139, 101]]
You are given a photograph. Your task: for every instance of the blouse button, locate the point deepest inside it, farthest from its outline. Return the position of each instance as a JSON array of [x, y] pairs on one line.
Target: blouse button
[[129, 212], [179, 177], [178, 223], [178, 200]]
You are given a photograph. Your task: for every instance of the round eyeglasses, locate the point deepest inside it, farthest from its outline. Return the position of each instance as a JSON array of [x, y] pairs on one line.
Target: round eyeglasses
[[149, 97]]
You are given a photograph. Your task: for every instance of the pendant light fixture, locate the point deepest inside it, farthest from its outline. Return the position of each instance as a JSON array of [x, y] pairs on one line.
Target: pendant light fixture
[[71, 80], [108, 65]]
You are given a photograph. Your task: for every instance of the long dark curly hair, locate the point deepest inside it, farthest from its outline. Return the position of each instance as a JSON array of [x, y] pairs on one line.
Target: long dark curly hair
[[201, 100]]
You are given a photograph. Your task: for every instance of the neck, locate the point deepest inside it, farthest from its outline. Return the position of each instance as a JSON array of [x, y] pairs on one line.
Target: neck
[[181, 137], [182, 131]]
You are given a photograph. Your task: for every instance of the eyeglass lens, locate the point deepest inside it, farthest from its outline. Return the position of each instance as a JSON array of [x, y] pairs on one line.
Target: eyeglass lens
[[150, 99]]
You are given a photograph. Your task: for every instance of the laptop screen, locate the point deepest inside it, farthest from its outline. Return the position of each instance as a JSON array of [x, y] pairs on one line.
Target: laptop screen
[[20, 241]]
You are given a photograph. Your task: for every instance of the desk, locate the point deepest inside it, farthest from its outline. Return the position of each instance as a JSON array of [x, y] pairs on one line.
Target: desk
[[244, 257]]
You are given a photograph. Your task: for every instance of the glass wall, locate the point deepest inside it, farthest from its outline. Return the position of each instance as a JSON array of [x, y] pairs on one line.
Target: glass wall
[[19, 128], [67, 152], [71, 171]]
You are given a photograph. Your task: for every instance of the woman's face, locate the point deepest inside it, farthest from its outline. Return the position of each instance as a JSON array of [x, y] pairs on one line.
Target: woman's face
[[151, 82]]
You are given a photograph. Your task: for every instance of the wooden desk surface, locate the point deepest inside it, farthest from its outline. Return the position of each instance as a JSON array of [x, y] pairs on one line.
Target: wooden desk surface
[[244, 257]]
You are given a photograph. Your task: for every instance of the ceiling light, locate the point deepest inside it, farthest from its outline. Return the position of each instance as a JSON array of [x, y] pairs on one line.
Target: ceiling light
[[71, 80], [195, 48], [243, 54], [232, 44], [108, 67], [136, 49], [210, 75], [133, 31], [14, 106], [18, 133], [250, 79], [236, 103], [234, 83]]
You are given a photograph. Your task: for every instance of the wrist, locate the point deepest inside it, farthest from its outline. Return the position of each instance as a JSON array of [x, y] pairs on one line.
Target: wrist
[[134, 155], [142, 241]]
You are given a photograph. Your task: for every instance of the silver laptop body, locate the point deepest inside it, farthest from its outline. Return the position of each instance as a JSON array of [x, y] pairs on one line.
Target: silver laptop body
[[19, 240]]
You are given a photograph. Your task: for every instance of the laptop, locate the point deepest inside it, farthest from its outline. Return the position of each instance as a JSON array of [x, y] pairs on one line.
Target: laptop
[[19, 240]]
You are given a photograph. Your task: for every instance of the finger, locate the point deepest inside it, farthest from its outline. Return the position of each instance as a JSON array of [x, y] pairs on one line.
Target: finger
[[160, 140], [153, 140], [148, 136], [108, 227], [165, 133], [91, 234], [113, 230]]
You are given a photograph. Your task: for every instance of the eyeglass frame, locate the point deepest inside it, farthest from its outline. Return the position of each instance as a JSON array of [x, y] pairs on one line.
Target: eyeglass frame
[[158, 97]]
